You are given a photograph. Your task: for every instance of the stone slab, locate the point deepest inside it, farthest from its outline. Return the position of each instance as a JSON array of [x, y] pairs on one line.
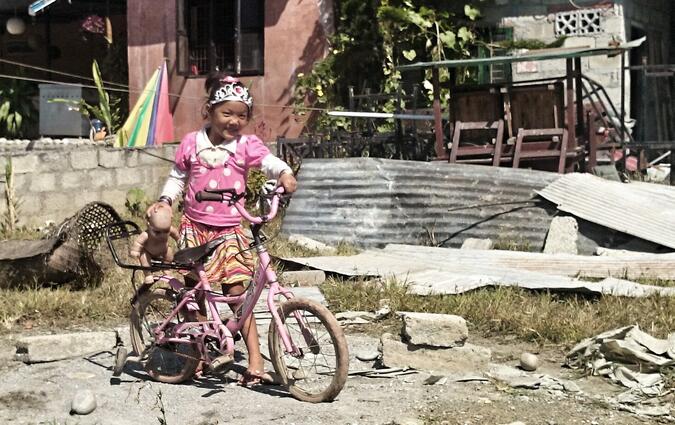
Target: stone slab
[[562, 236], [49, 348], [452, 361], [435, 330]]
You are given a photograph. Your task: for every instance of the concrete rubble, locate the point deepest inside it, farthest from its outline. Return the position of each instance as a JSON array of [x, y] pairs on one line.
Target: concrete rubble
[[627, 356], [434, 343]]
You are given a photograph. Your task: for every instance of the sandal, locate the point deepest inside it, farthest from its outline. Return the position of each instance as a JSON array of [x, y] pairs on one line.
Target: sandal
[[254, 378]]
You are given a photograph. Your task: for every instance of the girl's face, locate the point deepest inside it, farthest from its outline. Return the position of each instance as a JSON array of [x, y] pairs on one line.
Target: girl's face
[[227, 120]]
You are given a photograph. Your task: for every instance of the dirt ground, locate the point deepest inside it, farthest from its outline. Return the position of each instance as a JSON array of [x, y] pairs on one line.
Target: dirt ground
[[42, 393]]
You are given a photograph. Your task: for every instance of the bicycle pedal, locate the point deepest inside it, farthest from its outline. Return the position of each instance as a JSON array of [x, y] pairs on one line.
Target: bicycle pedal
[[221, 363]]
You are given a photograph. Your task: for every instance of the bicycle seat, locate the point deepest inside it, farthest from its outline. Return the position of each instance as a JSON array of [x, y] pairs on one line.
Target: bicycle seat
[[190, 256]]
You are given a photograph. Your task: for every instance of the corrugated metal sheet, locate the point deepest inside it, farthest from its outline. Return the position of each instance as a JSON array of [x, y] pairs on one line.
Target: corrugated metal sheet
[[636, 209], [428, 270], [372, 202]]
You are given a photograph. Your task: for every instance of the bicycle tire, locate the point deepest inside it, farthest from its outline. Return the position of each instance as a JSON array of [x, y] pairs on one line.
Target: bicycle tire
[[335, 348], [162, 363]]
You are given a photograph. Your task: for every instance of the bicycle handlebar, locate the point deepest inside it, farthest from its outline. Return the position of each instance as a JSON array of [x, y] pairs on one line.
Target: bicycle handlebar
[[232, 198]]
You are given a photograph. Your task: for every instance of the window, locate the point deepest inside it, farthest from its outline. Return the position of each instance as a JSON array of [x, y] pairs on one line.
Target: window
[[578, 22], [220, 34]]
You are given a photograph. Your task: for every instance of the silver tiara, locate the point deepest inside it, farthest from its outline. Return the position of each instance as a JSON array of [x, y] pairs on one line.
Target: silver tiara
[[232, 91]]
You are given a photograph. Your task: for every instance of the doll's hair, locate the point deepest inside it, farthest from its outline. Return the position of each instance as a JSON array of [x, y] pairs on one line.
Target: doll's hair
[[159, 216]]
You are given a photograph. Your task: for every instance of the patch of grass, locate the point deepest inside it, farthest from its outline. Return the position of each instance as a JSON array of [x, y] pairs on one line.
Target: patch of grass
[[513, 244], [542, 317], [62, 307]]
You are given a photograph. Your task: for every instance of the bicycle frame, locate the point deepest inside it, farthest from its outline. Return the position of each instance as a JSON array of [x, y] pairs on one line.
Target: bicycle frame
[[224, 332]]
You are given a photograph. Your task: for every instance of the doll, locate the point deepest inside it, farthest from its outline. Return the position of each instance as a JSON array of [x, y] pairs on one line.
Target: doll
[[153, 243]]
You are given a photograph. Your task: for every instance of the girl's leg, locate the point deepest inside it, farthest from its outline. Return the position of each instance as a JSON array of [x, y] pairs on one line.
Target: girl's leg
[[250, 333]]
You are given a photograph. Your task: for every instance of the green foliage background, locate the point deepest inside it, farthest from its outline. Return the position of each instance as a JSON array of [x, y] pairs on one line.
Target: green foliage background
[[372, 38]]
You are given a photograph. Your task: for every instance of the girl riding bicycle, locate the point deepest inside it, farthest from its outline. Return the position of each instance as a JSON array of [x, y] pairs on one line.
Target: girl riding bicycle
[[219, 156]]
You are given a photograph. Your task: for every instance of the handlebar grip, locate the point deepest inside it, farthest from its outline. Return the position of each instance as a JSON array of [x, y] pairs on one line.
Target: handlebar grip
[[206, 196]]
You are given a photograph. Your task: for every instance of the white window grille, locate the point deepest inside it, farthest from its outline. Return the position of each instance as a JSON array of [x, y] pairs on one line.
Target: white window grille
[[578, 22]]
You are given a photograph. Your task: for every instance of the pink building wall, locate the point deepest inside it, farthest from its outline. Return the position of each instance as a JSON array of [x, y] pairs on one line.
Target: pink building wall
[[294, 41]]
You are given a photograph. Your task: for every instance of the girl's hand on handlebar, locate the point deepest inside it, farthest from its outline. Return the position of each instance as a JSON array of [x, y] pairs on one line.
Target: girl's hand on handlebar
[[288, 182]]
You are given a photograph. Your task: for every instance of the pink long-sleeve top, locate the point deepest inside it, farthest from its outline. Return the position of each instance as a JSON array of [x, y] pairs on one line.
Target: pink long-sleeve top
[[200, 165]]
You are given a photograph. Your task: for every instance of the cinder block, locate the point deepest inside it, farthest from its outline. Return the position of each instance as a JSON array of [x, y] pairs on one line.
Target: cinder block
[[84, 160], [101, 178], [52, 161], [22, 164], [111, 158], [74, 179], [30, 204], [43, 182], [115, 198], [130, 177]]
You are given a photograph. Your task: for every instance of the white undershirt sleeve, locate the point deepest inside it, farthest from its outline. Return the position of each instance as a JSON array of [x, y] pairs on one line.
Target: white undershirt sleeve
[[273, 167], [175, 184]]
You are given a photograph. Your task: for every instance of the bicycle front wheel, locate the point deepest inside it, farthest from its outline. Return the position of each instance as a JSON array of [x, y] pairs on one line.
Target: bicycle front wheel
[[171, 362], [319, 371]]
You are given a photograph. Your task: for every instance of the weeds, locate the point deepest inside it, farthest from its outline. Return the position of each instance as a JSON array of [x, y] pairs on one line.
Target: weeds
[[543, 317], [63, 307]]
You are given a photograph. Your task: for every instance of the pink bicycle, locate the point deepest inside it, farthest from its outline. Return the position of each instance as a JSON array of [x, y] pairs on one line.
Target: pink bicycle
[[306, 344]]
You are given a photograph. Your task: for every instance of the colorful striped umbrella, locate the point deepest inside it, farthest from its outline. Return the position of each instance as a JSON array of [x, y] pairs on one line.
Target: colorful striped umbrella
[[150, 121]]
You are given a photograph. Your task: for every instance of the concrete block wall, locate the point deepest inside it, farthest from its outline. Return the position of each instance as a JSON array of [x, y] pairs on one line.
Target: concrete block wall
[[535, 20], [53, 185]]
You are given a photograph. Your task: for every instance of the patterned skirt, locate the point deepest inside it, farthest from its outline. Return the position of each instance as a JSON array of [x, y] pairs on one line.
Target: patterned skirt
[[232, 262]]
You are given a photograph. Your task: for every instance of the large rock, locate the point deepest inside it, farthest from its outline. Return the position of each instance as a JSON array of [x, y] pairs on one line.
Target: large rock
[[49, 348], [468, 359], [436, 330], [562, 236]]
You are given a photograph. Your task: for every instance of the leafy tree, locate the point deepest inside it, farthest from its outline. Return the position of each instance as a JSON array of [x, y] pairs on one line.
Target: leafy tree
[[18, 114], [372, 38]]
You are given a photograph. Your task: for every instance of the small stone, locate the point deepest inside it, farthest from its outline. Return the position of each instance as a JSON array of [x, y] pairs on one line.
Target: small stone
[[299, 374], [571, 387], [367, 355], [529, 362], [84, 402]]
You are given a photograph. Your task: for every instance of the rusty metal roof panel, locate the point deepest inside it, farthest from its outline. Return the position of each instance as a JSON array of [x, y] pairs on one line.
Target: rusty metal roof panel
[[636, 209], [372, 202]]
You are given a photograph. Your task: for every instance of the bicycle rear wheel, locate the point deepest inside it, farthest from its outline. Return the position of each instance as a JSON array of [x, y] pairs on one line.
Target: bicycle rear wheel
[[172, 362], [319, 373]]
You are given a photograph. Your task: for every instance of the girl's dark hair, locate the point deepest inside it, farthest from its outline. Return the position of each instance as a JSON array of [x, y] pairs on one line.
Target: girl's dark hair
[[213, 82]]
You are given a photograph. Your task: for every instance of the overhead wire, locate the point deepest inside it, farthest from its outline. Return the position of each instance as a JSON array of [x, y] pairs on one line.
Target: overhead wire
[[122, 88]]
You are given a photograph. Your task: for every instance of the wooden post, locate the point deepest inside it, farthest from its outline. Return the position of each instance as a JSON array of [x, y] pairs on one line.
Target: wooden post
[[438, 118], [580, 135], [569, 108]]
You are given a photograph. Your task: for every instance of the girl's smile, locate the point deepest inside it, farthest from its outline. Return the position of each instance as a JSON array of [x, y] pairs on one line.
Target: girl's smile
[[227, 120]]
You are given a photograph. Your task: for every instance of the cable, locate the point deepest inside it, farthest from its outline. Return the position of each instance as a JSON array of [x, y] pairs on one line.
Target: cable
[[67, 74], [201, 99]]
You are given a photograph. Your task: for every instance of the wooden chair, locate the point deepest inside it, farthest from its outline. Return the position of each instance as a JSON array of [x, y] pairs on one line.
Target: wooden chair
[[484, 150], [543, 143]]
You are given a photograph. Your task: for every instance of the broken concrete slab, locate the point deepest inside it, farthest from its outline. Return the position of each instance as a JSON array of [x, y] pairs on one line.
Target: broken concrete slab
[[455, 361], [562, 236], [303, 277], [49, 348], [435, 330]]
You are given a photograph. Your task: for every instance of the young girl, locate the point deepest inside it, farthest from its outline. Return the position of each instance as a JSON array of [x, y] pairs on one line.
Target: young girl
[[218, 156]]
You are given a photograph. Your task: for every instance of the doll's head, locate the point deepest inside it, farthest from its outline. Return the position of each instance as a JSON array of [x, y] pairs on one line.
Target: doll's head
[[228, 107], [158, 218]]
